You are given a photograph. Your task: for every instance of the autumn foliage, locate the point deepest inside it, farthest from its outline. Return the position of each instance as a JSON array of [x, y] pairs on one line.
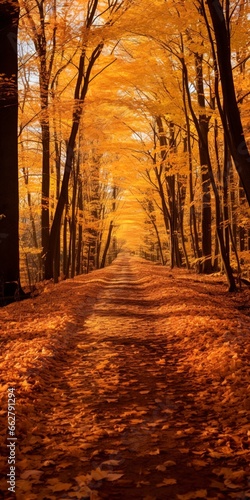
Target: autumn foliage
[[129, 136]]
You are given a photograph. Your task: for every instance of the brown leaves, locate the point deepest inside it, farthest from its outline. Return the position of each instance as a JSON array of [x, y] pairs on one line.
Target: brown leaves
[[97, 475], [59, 486], [167, 482], [192, 495], [124, 399], [232, 478], [163, 467], [31, 473]]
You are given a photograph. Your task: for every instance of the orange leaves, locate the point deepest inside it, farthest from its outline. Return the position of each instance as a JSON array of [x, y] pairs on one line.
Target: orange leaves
[[31, 473], [117, 420], [166, 482], [56, 485], [163, 467], [233, 479], [192, 495], [98, 475]]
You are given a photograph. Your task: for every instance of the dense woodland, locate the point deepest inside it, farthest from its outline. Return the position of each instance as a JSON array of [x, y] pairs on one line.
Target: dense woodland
[[132, 123]]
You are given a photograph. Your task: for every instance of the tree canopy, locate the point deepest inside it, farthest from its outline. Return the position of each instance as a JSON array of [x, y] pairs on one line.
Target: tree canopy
[[133, 132]]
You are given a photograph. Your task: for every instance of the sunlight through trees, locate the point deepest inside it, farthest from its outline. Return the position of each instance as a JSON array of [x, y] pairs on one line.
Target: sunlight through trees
[[131, 133]]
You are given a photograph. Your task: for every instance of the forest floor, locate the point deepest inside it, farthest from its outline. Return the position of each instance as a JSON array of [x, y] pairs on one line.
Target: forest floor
[[130, 383]]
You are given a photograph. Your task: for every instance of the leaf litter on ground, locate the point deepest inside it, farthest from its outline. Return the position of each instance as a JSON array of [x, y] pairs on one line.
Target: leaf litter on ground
[[124, 376]]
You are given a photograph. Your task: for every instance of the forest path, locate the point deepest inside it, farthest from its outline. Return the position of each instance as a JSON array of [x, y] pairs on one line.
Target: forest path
[[130, 383]]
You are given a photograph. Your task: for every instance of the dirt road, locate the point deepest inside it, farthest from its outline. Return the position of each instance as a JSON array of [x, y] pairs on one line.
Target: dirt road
[[116, 394]]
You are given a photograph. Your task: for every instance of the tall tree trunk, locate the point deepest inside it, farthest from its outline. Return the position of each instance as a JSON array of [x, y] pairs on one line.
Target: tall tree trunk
[[205, 180], [224, 256], [38, 30], [171, 212], [106, 248], [181, 200], [65, 246], [192, 212], [79, 242], [237, 144], [81, 90], [9, 240], [45, 216], [226, 180]]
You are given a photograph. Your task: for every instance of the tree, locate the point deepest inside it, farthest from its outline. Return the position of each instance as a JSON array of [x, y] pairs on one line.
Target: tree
[[233, 123], [38, 33], [159, 132], [91, 50], [9, 238]]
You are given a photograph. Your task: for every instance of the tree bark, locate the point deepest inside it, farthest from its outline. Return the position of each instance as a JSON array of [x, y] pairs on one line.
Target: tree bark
[[9, 239], [103, 261], [238, 146], [81, 90], [206, 233]]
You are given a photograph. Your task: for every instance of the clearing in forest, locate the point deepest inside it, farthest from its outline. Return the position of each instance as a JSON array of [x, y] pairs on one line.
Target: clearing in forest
[[130, 383]]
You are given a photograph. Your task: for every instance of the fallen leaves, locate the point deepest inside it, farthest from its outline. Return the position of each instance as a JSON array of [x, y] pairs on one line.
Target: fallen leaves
[[192, 495], [163, 467], [199, 463], [98, 475], [232, 478], [126, 388], [60, 486], [166, 482], [154, 452], [31, 473]]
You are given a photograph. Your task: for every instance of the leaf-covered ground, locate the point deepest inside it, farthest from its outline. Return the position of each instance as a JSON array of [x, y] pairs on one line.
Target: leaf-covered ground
[[131, 383]]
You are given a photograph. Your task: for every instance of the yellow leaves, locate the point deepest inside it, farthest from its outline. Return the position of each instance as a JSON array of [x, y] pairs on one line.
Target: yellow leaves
[[4, 388], [25, 385]]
